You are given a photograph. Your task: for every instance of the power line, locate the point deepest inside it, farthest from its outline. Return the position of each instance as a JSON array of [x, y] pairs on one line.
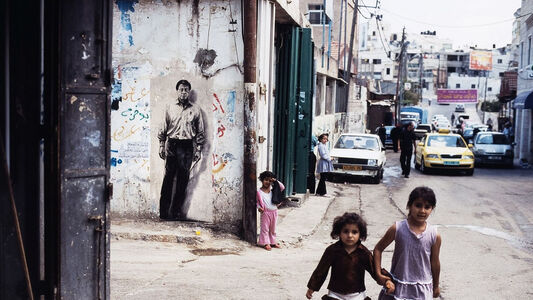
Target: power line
[[361, 13], [387, 54], [447, 26]]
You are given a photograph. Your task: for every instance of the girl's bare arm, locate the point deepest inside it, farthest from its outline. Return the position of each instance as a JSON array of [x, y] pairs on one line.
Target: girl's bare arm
[[435, 265], [385, 241]]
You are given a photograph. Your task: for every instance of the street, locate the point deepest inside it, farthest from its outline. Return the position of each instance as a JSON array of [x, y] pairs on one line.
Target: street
[[485, 221]]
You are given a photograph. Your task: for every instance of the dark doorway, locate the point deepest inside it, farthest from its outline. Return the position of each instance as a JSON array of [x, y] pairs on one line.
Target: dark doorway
[[54, 123]]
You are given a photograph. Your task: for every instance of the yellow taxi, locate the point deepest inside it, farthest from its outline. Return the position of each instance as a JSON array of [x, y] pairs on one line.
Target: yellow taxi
[[444, 150]]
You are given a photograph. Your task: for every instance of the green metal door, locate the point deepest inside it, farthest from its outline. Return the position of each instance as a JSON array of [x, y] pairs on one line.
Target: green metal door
[[293, 108]]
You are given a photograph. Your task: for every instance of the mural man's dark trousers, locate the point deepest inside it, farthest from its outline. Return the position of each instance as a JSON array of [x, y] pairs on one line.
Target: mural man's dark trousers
[[311, 179], [395, 145], [405, 161], [179, 156]]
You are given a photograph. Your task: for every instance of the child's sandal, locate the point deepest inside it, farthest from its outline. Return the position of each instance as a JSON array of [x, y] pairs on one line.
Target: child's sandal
[[276, 246], [268, 248]]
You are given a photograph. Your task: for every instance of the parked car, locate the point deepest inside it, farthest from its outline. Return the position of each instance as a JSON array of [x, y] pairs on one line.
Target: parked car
[[444, 150], [493, 148], [421, 130], [360, 155], [459, 107]]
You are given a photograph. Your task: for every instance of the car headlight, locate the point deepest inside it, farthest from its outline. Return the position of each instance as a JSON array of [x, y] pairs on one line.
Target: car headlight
[[480, 151], [372, 162], [432, 156], [468, 156]]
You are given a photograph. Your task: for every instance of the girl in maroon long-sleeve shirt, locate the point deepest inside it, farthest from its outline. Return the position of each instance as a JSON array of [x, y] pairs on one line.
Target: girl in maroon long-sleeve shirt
[[348, 260]]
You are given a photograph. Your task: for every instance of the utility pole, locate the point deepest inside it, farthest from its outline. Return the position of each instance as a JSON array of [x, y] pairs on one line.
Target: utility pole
[[348, 73], [250, 142], [400, 58], [421, 66]]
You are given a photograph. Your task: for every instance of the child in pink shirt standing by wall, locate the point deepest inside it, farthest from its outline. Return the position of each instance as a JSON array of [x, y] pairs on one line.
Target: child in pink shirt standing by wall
[[269, 198]]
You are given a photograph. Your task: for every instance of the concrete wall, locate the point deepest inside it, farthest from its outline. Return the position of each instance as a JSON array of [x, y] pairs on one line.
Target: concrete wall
[[155, 44]]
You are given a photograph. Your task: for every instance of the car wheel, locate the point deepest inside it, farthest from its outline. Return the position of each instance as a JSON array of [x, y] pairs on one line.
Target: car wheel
[[423, 168], [470, 172]]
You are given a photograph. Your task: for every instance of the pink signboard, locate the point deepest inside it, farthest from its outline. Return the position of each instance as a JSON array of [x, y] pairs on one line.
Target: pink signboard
[[456, 96]]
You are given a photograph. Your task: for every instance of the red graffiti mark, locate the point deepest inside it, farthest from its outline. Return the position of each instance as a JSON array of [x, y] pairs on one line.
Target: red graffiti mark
[[219, 104], [215, 159], [221, 130], [215, 108]]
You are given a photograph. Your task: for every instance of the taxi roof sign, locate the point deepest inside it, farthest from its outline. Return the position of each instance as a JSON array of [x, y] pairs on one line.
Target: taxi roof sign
[[444, 130]]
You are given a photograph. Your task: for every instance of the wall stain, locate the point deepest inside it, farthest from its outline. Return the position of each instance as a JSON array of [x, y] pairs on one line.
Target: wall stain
[[205, 58]]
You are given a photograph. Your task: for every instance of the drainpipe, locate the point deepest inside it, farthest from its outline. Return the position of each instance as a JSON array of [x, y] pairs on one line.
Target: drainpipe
[[250, 142]]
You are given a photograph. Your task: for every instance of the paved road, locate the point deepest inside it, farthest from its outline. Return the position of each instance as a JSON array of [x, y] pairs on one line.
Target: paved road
[[485, 221]]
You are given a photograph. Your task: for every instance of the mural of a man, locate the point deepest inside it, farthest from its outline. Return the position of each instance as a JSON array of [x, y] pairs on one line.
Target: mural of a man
[[181, 139]]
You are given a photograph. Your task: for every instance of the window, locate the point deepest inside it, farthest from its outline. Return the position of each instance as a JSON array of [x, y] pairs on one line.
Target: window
[[388, 71], [473, 86], [489, 89], [364, 61], [500, 61], [315, 14], [451, 70], [373, 33], [457, 85], [376, 61], [501, 74]]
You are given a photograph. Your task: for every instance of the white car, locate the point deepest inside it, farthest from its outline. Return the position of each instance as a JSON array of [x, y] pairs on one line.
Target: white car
[[357, 154], [442, 124]]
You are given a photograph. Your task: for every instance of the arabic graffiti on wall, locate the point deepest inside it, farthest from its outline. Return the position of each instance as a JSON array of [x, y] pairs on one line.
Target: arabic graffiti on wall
[[130, 132]]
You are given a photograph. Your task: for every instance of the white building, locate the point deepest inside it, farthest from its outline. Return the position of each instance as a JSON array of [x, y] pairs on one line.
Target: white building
[[487, 87], [523, 103]]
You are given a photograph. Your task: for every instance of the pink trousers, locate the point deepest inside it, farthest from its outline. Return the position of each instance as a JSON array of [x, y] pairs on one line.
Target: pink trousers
[[268, 227]]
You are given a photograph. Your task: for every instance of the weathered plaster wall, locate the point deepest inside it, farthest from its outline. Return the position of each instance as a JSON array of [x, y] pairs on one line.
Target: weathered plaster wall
[[155, 44]]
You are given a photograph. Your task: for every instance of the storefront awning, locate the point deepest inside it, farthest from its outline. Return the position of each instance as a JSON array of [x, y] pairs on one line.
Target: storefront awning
[[524, 100]]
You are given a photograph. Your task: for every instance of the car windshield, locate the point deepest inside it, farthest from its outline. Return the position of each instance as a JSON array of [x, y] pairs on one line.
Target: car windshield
[[496, 139], [357, 142], [424, 127], [445, 141]]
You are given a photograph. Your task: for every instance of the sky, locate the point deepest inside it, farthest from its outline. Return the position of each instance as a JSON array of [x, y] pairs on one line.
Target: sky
[[465, 22]]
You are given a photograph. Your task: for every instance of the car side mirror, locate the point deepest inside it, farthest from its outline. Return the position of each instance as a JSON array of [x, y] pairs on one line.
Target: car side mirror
[[421, 144], [383, 148]]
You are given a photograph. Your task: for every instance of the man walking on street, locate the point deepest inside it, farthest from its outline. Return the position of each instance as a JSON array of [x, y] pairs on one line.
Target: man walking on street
[[394, 135], [180, 143], [407, 140]]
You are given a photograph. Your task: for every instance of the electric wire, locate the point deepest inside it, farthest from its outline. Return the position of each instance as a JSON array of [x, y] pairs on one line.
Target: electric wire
[[456, 27], [383, 44]]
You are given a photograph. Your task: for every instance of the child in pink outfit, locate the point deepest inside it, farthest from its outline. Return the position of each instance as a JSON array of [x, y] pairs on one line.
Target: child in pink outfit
[[267, 204]]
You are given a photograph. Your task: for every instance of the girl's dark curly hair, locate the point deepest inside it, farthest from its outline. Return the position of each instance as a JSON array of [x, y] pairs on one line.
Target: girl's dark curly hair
[[266, 174], [349, 218], [422, 192]]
